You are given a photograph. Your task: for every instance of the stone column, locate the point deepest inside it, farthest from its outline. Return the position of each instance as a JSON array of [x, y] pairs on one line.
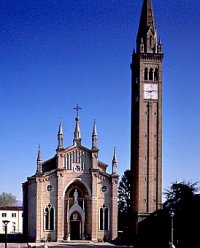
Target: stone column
[[68, 230], [39, 210], [94, 205], [60, 207], [114, 208]]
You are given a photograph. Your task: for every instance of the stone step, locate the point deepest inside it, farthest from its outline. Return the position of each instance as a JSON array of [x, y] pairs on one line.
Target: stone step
[[77, 241]]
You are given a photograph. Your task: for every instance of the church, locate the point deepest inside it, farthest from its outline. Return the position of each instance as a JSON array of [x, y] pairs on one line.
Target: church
[[72, 196]]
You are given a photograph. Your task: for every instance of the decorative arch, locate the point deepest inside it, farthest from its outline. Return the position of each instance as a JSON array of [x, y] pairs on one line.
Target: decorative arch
[[77, 201], [78, 181], [76, 208]]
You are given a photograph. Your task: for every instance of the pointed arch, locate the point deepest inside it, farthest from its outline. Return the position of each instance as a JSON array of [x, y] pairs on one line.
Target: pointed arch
[[151, 74], [146, 72], [80, 181], [103, 218], [156, 75], [49, 217]]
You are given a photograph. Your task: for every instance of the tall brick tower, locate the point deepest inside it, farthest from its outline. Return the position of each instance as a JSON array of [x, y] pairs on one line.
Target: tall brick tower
[[146, 126]]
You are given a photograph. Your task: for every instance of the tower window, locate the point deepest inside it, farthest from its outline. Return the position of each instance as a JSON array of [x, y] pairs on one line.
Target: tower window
[[156, 75], [49, 217], [151, 74], [103, 218], [146, 74]]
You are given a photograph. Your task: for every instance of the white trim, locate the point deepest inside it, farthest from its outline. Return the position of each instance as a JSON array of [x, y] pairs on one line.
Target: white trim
[[76, 208], [104, 220], [54, 215]]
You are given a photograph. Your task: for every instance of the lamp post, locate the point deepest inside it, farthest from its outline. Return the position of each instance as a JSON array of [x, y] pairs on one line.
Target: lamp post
[[172, 229], [5, 222]]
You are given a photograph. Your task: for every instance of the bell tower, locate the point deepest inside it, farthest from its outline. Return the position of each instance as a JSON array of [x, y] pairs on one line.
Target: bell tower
[[146, 119]]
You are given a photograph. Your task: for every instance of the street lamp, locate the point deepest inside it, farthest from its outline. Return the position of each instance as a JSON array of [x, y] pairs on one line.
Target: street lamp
[[5, 222], [172, 229]]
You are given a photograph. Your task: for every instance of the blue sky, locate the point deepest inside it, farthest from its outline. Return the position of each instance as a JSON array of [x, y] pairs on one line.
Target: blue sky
[[55, 54]]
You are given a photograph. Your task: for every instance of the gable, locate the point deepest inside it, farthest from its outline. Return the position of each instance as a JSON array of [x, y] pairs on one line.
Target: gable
[[74, 156]]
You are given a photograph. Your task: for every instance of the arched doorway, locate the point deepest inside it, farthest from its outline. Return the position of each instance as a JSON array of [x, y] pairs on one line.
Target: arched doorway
[[75, 226], [77, 221]]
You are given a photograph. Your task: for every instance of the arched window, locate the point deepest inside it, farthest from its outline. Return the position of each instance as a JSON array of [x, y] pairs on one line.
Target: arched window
[[156, 75], [146, 74], [151, 74], [49, 217], [103, 218]]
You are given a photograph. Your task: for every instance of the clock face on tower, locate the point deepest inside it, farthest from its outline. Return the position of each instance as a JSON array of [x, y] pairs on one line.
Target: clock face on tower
[[151, 91]]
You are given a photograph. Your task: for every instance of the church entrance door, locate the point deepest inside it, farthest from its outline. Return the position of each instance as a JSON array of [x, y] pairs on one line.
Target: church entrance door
[[75, 230]]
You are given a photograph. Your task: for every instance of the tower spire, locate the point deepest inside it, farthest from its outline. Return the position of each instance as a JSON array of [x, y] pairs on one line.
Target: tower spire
[[60, 136], [147, 34], [94, 137], [77, 132], [39, 161], [114, 162]]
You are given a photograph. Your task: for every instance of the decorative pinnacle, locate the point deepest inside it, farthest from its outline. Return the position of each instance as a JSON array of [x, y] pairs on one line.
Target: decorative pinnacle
[[77, 132], [60, 136], [114, 162], [39, 158], [94, 137], [60, 131], [94, 133], [39, 162], [114, 156]]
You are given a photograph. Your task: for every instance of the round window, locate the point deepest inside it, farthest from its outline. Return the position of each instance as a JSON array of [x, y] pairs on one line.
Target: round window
[[104, 189], [77, 168], [49, 188]]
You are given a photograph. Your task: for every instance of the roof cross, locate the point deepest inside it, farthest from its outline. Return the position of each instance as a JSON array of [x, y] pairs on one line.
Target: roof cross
[[77, 108]]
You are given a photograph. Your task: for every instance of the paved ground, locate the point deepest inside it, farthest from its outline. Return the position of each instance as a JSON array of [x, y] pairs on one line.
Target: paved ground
[[65, 245], [13, 245]]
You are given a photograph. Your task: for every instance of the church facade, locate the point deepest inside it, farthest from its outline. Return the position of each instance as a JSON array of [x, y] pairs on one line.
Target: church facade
[[71, 196]]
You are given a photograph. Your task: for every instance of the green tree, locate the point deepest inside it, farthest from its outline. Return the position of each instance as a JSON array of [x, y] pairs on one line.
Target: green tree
[[183, 200], [180, 195], [124, 216], [124, 192], [155, 230], [7, 199]]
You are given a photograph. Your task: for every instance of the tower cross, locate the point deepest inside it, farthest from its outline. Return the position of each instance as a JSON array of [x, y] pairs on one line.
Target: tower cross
[[77, 108]]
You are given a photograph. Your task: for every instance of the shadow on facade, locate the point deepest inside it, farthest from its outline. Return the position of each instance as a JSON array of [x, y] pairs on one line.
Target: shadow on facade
[[12, 238]]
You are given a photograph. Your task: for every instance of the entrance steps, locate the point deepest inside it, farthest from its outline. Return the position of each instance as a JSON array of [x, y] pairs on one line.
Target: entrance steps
[[77, 241]]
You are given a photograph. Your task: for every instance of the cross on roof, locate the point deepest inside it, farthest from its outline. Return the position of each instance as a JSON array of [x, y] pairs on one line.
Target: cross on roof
[[77, 108]]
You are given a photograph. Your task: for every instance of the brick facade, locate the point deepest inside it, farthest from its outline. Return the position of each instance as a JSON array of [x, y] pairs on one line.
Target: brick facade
[[146, 128]]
